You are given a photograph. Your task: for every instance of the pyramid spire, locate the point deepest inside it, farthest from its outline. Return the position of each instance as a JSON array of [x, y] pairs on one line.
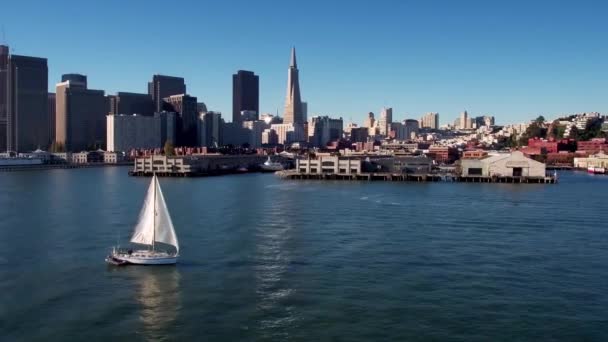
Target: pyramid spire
[[292, 61]]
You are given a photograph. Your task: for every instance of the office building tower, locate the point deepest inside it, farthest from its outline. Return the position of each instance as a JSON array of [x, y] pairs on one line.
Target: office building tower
[[186, 108], [359, 134], [162, 87], [3, 95], [305, 111], [430, 120], [51, 110], [370, 123], [323, 129], [464, 122], [288, 133], [248, 115], [293, 103], [270, 137], [485, 120], [271, 118], [201, 107], [27, 120], [245, 94], [210, 129], [128, 132], [80, 115], [76, 80], [254, 132], [384, 123], [131, 103]]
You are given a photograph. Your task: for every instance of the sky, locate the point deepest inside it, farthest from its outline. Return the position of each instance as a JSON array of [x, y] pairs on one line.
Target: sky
[[511, 59]]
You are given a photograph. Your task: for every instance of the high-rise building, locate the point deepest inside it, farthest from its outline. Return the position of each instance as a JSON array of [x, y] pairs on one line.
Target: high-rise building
[[127, 132], [370, 123], [430, 120], [27, 100], [323, 129], [162, 87], [245, 94], [305, 111], [201, 107], [255, 130], [485, 120], [411, 128], [210, 129], [293, 103], [289, 133], [359, 134], [385, 121], [80, 114], [51, 110], [131, 103], [271, 118], [464, 122], [76, 80], [187, 109], [249, 115], [270, 137], [3, 95]]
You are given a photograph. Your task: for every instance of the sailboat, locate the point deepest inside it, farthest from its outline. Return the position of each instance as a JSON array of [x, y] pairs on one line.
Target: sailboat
[[269, 165], [153, 227]]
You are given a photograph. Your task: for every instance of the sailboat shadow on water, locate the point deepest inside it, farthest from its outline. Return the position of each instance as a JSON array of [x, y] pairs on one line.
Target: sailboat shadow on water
[[155, 230]]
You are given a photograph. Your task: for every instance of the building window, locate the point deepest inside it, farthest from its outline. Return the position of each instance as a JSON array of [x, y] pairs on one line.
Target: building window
[[303, 170], [327, 163], [354, 171], [475, 171], [342, 170], [313, 170]]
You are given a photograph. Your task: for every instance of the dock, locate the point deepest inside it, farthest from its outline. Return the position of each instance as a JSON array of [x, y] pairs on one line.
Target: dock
[[401, 177]]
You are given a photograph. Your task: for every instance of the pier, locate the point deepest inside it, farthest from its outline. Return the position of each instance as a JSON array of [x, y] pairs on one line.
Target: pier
[[196, 165], [401, 177]]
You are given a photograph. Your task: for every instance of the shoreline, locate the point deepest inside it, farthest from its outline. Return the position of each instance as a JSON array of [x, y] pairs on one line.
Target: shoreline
[[17, 168]]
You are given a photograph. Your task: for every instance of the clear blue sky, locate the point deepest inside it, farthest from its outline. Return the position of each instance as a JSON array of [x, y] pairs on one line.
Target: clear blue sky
[[513, 59]]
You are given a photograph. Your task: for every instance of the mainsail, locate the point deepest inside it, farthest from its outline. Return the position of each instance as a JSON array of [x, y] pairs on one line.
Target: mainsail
[[150, 229]]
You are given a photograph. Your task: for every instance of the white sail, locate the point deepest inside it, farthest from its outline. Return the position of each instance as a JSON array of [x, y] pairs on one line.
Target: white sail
[[165, 232], [151, 229], [144, 230]]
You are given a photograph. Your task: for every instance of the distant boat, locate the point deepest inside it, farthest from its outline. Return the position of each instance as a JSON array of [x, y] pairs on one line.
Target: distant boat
[[599, 170], [154, 226], [269, 165]]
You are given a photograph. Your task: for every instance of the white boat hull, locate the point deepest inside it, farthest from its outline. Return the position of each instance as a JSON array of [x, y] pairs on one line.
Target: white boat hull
[[145, 257], [272, 167]]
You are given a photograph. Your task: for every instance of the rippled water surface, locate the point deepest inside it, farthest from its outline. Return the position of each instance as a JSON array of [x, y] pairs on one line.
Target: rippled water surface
[[266, 259]]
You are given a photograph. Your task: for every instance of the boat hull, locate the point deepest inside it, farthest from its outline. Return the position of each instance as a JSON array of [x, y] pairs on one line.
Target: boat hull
[[272, 167], [596, 170], [143, 258]]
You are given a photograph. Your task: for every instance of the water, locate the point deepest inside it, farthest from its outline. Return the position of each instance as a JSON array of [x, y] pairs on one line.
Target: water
[[266, 259]]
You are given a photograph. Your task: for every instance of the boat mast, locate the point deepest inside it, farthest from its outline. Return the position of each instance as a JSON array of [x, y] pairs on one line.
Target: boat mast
[[154, 204]]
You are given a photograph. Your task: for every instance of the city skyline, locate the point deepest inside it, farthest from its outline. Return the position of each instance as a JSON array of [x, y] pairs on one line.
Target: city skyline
[[510, 61]]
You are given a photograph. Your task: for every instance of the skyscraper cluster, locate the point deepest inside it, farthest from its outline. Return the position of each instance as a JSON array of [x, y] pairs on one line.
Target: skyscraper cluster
[[78, 117]]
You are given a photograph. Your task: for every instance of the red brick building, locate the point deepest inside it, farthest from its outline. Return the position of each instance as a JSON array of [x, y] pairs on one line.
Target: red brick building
[[443, 154], [592, 146], [551, 145]]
